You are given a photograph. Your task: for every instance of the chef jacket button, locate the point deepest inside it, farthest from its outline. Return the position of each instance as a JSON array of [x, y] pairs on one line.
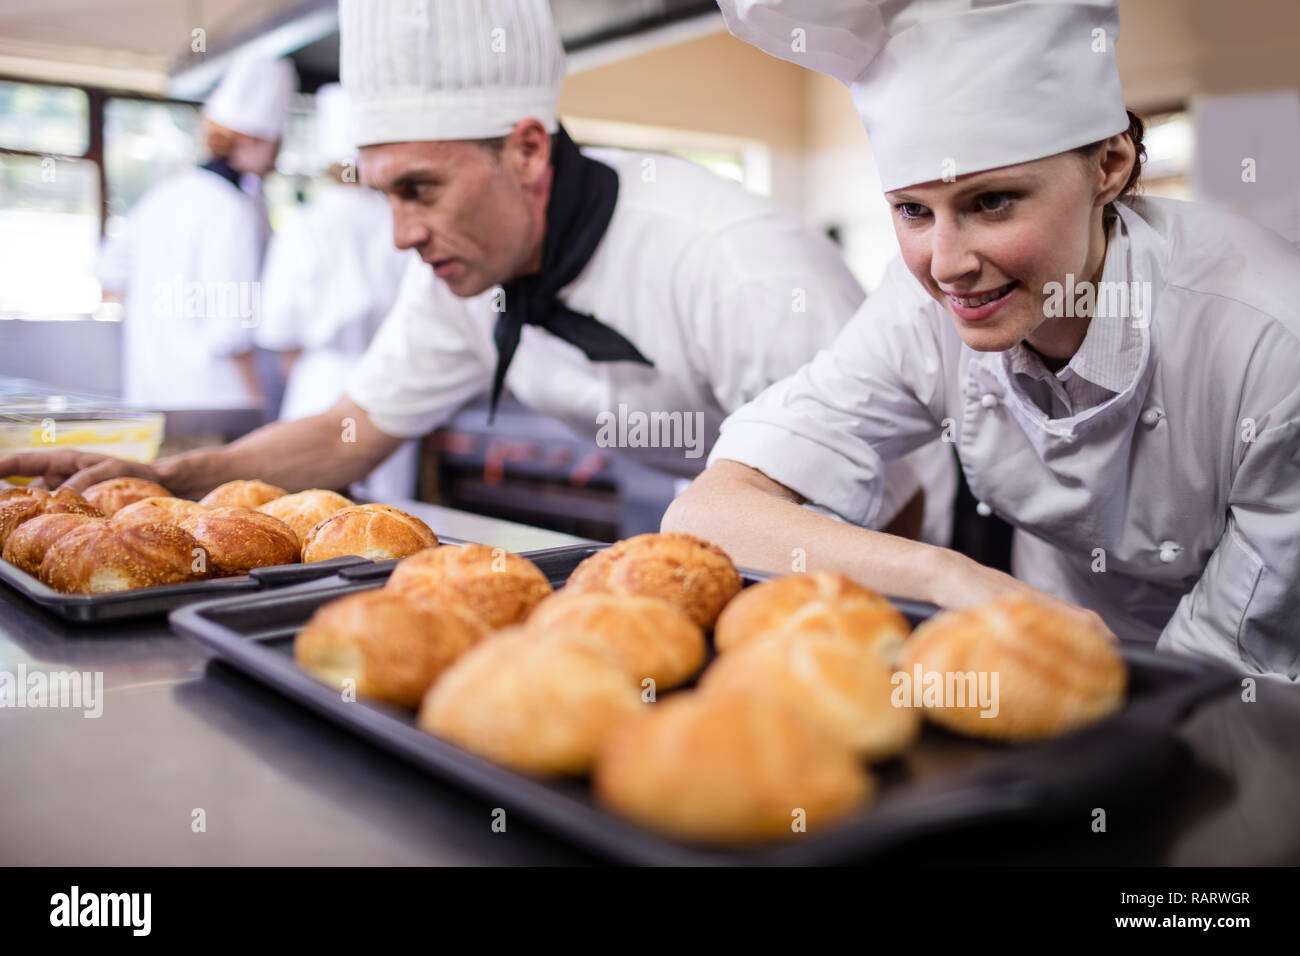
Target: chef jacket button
[[1151, 416], [988, 399], [982, 509], [1169, 551]]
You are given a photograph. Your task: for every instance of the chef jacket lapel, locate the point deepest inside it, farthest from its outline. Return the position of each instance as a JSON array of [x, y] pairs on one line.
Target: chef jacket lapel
[[583, 195]]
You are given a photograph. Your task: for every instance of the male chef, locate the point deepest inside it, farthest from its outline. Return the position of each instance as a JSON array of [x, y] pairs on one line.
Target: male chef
[[607, 289]]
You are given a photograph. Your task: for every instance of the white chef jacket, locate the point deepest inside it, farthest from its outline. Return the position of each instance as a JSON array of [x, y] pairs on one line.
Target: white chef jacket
[[332, 274], [1172, 508], [721, 289], [189, 262]]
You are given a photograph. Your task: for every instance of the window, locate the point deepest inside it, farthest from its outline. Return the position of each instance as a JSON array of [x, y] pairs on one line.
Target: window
[[144, 141], [44, 119]]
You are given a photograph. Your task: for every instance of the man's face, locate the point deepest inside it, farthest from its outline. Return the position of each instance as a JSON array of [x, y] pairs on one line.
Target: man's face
[[253, 154], [469, 210], [1006, 232]]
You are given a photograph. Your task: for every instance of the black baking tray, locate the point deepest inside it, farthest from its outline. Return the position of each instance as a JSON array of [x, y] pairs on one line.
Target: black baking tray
[[156, 601], [944, 783]]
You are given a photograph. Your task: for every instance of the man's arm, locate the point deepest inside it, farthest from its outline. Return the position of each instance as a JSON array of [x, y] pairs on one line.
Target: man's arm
[[329, 450]]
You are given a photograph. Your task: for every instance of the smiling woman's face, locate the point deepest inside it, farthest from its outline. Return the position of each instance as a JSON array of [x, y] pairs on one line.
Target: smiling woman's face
[[986, 245]]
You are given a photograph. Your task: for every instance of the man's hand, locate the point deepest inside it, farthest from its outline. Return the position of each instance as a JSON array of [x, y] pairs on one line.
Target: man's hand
[[77, 470]]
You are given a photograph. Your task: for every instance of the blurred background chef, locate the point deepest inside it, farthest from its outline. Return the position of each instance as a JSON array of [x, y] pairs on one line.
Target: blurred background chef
[[332, 273], [189, 261]]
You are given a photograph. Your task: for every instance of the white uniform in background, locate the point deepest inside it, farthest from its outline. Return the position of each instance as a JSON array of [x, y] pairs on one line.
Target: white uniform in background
[[723, 291], [188, 263], [332, 274], [189, 260]]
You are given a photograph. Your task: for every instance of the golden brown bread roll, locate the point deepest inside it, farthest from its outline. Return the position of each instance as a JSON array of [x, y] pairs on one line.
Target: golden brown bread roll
[[100, 557], [8, 491], [807, 602], [30, 541], [235, 540], [305, 509], [32, 502], [67, 501], [834, 681], [534, 705], [686, 571], [16, 510], [377, 532], [500, 587], [1044, 673], [241, 493], [650, 637], [169, 510], [115, 493], [728, 768], [393, 648]]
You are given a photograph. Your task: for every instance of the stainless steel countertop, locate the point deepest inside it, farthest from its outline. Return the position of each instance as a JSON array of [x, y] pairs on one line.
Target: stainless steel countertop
[[277, 785]]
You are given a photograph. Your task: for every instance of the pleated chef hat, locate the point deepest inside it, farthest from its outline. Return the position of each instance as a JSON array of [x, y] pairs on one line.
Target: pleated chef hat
[[253, 97], [949, 87], [334, 140], [422, 70]]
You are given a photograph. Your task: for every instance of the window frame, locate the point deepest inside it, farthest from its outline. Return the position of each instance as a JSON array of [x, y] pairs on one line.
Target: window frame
[[96, 99]]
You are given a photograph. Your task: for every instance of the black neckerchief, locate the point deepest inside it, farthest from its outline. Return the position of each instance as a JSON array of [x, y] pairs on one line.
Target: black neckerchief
[[583, 193], [223, 169]]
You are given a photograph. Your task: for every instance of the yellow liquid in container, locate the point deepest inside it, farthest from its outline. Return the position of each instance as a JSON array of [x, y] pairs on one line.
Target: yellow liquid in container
[[136, 438]]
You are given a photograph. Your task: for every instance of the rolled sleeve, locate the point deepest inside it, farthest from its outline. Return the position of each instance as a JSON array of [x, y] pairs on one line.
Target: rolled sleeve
[[827, 431], [425, 361], [822, 474]]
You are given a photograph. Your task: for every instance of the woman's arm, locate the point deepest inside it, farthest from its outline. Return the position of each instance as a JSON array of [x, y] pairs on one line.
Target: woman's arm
[[761, 524]]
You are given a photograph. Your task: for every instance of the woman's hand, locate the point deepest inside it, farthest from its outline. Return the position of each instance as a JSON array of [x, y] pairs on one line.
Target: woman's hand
[[965, 583], [77, 470]]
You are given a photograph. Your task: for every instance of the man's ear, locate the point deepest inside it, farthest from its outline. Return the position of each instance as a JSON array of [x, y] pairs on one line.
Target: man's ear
[[528, 150], [1117, 156]]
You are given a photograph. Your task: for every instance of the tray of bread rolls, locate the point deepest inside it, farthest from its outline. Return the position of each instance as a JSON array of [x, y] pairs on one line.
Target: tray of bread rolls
[[657, 705], [128, 548]]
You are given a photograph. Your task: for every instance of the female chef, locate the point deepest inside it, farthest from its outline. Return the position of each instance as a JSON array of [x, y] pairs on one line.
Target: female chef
[[1120, 376], [189, 261]]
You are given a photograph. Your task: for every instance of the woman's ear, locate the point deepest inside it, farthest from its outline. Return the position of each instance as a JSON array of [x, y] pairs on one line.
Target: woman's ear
[[1115, 161]]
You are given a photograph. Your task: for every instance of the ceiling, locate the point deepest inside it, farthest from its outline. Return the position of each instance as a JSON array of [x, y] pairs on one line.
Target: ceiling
[[146, 45]]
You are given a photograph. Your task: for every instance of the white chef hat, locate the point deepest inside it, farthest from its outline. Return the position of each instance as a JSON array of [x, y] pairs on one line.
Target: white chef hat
[[334, 140], [949, 87], [419, 70], [253, 97]]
